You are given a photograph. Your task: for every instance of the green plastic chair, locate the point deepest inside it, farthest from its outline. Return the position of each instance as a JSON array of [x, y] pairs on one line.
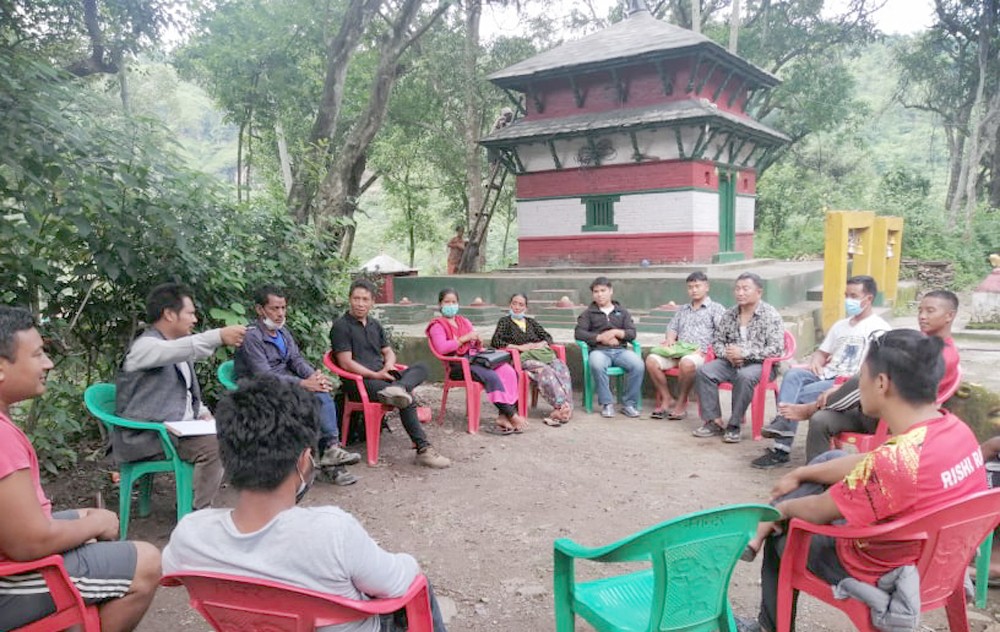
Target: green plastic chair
[[687, 588], [100, 401], [613, 371], [983, 570], [227, 375]]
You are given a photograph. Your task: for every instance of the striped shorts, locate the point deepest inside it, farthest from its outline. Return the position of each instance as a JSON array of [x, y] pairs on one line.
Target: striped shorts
[[101, 571]]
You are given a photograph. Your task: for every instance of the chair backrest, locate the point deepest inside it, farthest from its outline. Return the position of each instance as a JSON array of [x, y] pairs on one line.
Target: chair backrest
[[100, 401], [231, 603], [951, 535], [790, 347], [70, 609], [693, 558], [227, 375]]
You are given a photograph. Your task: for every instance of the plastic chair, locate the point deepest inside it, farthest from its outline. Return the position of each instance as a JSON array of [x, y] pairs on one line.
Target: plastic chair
[[950, 535], [983, 570], [100, 401], [373, 412], [687, 588], [524, 382], [768, 382], [863, 442], [230, 603], [70, 608], [227, 375], [473, 389], [612, 371]]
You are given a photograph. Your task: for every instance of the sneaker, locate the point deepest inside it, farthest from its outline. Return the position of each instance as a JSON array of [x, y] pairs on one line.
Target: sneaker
[[336, 455], [608, 411], [771, 458], [657, 414], [340, 477], [395, 396], [630, 412], [708, 429], [429, 457], [733, 435], [746, 624], [771, 432]]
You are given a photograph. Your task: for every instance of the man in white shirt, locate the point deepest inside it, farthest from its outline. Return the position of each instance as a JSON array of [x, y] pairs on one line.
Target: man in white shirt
[[841, 354], [267, 431]]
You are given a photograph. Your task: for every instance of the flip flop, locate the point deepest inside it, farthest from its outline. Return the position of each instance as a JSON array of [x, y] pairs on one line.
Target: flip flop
[[552, 423], [675, 417], [500, 430]]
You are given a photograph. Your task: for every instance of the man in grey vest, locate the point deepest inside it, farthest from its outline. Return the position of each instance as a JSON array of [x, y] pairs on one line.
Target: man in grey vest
[[157, 382]]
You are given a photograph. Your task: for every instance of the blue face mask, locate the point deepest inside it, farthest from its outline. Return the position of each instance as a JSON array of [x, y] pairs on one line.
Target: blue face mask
[[852, 306], [516, 316], [449, 311]]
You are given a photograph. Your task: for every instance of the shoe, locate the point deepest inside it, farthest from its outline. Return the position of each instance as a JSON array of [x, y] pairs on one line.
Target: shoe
[[341, 477], [746, 624], [771, 458], [429, 457], [336, 455], [630, 412], [771, 432], [709, 429], [733, 435], [657, 414], [608, 411], [395, 396]]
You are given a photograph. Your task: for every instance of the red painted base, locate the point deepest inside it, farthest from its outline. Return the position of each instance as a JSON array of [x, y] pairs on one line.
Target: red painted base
[[616, 249]]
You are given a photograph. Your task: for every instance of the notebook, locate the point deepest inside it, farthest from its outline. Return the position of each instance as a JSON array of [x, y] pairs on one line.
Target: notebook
[[193, 428]]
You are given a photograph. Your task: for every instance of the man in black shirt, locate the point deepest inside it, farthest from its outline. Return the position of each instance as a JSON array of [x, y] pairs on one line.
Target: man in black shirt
[[361, 346]]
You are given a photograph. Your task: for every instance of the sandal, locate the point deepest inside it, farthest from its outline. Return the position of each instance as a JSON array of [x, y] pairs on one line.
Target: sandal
[[497, 429], [552, 423], [658, 413], [677, 416]]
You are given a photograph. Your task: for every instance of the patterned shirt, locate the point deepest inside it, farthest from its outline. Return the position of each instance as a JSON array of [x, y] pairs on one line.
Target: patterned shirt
[[765, 333], [697, 326]]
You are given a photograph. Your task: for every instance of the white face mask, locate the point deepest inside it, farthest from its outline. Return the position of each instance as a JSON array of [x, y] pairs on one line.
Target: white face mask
[[270, 324], [304, 486]]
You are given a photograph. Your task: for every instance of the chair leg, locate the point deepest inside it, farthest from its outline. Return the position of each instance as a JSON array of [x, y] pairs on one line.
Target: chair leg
[[958, 619], [444, 403], [373, 431], [563, 578], [124, 500], [983, 570], [473, 402], [145, 495], [184, 483]]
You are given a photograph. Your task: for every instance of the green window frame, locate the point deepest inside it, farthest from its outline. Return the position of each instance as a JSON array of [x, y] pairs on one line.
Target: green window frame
[[600, 213]]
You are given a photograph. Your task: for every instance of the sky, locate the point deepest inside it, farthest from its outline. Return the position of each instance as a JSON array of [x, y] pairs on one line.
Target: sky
[[894, 17]]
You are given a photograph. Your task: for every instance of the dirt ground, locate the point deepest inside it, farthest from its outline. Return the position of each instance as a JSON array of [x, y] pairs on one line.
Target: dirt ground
[[483, 529]]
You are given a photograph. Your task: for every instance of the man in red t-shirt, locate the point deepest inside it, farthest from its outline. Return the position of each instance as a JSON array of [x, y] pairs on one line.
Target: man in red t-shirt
[[121, 577], [932, 458], [838, 410]]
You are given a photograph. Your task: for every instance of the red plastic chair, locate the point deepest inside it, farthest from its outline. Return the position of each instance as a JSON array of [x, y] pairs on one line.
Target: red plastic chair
[[867, 442], [373, 411], [767, 383], [235, 604], [523, 381], [70, 608], [950, 535], [473, 389]]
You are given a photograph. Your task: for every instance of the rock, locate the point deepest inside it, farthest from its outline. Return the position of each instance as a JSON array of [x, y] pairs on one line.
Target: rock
[[477, 301], [979, 407], [564, 302], [532, 590]]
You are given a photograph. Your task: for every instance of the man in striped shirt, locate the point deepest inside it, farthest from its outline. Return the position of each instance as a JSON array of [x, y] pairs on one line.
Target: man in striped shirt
[[120, 577]]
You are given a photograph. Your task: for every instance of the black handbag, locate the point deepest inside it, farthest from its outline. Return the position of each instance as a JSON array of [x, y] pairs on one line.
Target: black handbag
[[491, 358]]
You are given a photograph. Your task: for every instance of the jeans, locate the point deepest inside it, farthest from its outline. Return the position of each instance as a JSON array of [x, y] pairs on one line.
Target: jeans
[[798, 386], [396, 622], [822, 561], [825, 424], [330, 433], [409, 379], [635, 370], [744, 379]]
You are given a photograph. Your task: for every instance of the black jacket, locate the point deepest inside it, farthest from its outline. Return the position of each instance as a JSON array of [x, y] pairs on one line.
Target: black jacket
[[593, 321]]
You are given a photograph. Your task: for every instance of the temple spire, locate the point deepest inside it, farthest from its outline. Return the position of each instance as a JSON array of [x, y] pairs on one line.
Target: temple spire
[[634, 7]]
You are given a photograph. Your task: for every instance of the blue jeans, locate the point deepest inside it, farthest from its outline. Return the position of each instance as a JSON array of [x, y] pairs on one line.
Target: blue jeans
[[330, 433], [798, 386], [635, 370]]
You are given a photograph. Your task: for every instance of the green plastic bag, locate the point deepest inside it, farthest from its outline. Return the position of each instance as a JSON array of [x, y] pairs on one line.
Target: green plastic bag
[[676, 350], [543, 355]]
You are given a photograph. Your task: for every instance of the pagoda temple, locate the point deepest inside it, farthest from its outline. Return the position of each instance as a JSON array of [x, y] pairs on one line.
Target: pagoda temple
[[635, 144]]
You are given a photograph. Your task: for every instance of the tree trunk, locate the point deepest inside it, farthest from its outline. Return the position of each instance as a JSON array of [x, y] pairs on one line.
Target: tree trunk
[[734, 26], [696, 16], [473, 157], [239, 160], [283, 158], [994, 191]]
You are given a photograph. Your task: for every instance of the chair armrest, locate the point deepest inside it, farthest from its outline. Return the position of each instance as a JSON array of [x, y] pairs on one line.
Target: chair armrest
[[637, 348], [560, 351], [584, 347], [16, 568], [842, 532], [515, 358]]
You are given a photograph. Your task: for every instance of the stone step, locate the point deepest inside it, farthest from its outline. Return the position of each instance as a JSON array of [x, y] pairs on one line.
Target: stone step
[[815, 293], [405, 314], [550, 296]]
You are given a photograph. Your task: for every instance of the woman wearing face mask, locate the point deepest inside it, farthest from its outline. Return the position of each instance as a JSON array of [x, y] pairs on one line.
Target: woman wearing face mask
[[451, 334], [518, 331]]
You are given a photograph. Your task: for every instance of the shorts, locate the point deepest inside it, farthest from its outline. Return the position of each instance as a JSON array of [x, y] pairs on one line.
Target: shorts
[[101, 571], [666, 364]]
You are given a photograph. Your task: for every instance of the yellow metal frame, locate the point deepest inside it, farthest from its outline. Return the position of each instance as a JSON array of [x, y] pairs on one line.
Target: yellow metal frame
[[874, 234]]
